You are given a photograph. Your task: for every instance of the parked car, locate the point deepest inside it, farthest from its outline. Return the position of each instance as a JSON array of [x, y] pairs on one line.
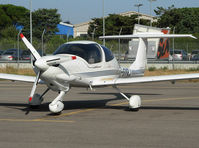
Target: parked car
[[195, 57], [194, 52], [1, 51], [26, 55], [10, 54], [178, 55]]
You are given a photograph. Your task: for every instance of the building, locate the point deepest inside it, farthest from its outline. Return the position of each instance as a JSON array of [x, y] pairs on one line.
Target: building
[[82, 28], [65, 29], [141, 16]]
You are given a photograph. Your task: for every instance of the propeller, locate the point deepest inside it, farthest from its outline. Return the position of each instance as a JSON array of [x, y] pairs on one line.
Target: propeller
[[37, 57], [42, 64]]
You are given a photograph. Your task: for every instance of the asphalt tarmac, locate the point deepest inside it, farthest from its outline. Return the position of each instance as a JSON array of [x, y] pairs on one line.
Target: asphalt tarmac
[[169, 117]]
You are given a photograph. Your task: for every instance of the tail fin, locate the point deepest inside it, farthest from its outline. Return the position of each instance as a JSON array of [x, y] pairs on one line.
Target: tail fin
[[30, 47], [141, 60]]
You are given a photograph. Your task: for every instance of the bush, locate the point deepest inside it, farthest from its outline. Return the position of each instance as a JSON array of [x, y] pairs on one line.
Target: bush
[[152, 69]]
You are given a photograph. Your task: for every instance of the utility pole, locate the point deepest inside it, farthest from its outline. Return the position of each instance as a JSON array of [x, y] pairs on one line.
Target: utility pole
[[103, 23], [119, 52], [93, 34], [151, 10], [18, 48], [31, 21], [31, 57], [42, 42], [138, 5], [173, 49]]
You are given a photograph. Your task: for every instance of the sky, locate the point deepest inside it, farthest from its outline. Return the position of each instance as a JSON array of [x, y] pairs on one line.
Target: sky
[[79, 11]]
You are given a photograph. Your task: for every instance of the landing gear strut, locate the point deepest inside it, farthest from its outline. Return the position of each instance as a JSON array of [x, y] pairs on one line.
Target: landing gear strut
[[134, 101]]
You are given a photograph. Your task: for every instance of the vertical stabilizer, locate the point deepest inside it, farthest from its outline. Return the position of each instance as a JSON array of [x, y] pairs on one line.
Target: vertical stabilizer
[[140, 61]]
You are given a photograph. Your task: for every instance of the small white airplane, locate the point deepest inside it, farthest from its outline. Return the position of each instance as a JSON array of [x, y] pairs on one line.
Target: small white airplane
[[89, 64]]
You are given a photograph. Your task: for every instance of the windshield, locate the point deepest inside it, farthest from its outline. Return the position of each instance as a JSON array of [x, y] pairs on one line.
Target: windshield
[[108, 54], [195, 52], [89, 52], [9, 53]]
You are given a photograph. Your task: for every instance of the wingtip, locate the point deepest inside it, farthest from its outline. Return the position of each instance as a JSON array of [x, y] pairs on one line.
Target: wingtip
[[194, 37], [21, 35]]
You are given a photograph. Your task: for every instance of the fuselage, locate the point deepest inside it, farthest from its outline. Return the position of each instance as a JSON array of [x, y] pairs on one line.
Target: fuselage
[[80, 64]]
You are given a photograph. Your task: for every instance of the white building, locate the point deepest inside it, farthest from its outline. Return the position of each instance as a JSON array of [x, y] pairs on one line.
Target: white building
[[82, 28]]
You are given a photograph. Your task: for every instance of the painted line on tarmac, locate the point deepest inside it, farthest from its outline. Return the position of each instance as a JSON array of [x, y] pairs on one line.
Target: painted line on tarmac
[[156, 100], [67, 114], [35, 120], [50, 119]]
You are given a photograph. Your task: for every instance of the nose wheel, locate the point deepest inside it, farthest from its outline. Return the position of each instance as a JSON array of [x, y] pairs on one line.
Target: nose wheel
[[56, 106]]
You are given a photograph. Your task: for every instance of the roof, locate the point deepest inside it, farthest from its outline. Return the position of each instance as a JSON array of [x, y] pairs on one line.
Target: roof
[[66, 24], [65, 29]]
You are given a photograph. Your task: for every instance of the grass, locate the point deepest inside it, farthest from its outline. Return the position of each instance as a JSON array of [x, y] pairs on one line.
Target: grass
[[21, 71], [168, 72], [172, 72]]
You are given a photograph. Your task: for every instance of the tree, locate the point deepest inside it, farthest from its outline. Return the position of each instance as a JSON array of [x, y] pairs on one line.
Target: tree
[[114, 23], [9, 32], [10, 15], [185, 20], [42, 19]]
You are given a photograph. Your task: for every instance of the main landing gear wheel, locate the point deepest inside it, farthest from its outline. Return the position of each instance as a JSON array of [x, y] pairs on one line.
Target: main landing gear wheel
[[134, 103]]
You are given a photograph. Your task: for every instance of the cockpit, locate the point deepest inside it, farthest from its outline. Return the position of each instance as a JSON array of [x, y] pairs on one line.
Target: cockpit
[[89, 52]]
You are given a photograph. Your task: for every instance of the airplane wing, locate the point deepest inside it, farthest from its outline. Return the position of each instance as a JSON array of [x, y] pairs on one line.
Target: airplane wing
[[15, 77], [147, 35], [146, 79]]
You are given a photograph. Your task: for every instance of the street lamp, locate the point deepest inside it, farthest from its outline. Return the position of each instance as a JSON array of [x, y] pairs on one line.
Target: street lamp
[[42, 42], [103, 23], [18, 47], [119, 56], [31, 21], [138, 5], [151, 10], [93, 34]]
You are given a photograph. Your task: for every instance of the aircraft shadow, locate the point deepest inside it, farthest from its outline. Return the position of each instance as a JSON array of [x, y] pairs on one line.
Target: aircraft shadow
[[87, 104], [116, 94]]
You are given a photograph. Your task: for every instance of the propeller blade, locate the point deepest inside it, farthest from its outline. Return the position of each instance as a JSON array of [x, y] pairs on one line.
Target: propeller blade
[[30, 47], [34, 86]]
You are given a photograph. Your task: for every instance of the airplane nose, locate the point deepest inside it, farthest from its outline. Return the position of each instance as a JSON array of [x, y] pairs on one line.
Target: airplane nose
[[41, 64]]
